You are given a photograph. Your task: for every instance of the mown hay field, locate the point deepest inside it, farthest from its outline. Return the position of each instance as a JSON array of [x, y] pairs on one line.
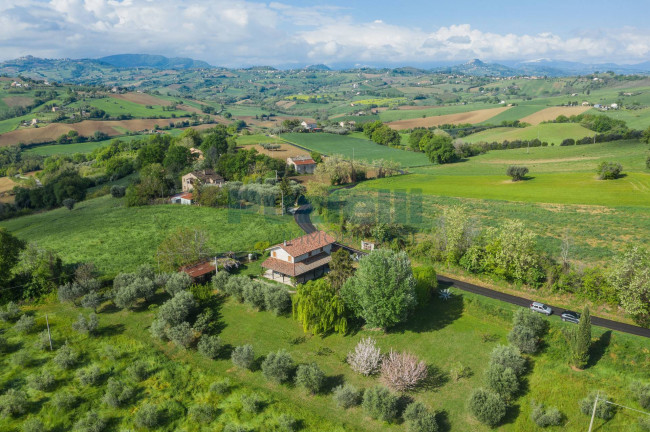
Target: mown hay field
[[552, 113], [466, 117]]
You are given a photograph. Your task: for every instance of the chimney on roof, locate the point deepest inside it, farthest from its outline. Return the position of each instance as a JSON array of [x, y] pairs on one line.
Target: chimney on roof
[[285, 242]]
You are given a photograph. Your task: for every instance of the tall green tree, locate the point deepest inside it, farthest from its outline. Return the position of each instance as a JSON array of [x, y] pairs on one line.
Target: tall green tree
[[630, 277], [10, 247], [340, 268], [580, 340], [439, 148], [382, 291], [319, 308]]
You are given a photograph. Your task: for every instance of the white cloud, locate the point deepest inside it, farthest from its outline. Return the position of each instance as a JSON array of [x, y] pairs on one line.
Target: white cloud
[[244, 32]]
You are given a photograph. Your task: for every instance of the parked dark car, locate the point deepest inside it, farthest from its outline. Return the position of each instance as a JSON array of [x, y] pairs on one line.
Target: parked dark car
[[572, 317]]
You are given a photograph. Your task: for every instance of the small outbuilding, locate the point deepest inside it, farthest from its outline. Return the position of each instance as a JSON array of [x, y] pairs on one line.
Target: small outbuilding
[[302, 164], [182, 198]]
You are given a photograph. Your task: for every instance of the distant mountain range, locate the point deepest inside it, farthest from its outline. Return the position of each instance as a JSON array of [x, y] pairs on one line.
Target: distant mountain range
[[153, 61], [94, 70]]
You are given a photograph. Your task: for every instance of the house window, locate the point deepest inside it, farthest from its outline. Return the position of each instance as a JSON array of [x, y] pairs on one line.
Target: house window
[[290, 258], [274, 255], [321, 249]]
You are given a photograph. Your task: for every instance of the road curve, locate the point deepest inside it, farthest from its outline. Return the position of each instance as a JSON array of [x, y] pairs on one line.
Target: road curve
[[303, 219]]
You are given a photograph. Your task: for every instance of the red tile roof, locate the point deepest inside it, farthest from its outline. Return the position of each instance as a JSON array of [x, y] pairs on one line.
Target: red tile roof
[[200, 269], [307, 243], [304, 162]]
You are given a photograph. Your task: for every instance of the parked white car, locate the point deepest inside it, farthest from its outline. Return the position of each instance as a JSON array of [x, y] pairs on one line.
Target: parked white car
[[541, 308]]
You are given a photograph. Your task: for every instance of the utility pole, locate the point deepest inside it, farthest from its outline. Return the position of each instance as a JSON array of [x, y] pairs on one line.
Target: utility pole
[[49, 335], [282, 202], [593, 413]]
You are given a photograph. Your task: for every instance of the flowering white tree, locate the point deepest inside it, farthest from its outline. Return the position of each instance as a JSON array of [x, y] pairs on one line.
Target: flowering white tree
[[403, 371], [366, 357]]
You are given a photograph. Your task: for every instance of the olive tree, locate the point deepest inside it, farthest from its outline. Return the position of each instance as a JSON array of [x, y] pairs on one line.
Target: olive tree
[[630, 276]]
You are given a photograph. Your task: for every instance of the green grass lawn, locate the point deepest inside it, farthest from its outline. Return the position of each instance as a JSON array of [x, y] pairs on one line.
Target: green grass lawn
[[464, 329], [360, 149], [118, 238], [553, 133], [581, 158], [566, 188], [256, 139], [115, 107]]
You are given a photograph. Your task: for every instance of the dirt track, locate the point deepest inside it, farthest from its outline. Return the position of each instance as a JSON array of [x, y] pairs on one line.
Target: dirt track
[[466, 117]]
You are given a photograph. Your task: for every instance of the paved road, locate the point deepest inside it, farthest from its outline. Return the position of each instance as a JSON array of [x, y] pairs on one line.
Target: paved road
[[303, 220]]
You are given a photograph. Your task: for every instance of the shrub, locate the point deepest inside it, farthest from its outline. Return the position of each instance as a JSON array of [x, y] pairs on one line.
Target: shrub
[[346, 396], [91, 422], [25, 324], [419, 419], [604, 410], [502, 381], [177, 309], [366, 357], [33, 425], [235, 287], [10, 312], [219, 280], [286, 423], [138, 371], [403, 371], [87, 326], [641, 394], [13, 403], [204, 322], [148, 416], [22, 358], [42, 341], [254, 295], [568, 142], [209, 346], [158, 329], [221, 387], [65, 357], [310, 377], [182, 335], [277, 300], [508, 357], [92, 300], [118, 191], [178, 282], [544, 417], [517, 172], [43, 381], [379, 403], [64, 401], [243, 356], [528, 328], [202, 413], [487, 407], [90, 376], [609, 170], [460, 371], [68, 203], [277, 366], [117, 393], [251, 403]]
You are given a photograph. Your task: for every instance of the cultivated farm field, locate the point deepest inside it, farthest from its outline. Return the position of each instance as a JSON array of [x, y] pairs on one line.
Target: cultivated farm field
[[552, 113], [473, 117]]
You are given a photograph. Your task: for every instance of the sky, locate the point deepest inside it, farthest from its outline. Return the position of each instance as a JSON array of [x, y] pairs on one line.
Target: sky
[[336, 32]]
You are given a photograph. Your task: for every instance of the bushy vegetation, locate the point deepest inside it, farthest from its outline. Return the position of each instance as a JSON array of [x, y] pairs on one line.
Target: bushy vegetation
[[346, 396], [545, 417], [243, 356], [278, 366], [487, 407], [603, 411], [379, 403], [528, 328]]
